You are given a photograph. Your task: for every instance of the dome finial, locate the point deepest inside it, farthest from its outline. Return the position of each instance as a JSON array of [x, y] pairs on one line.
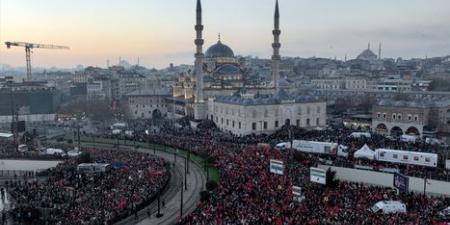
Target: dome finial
[[219, 37]]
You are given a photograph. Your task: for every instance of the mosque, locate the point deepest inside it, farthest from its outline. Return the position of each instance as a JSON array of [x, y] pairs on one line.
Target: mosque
[[217, 90]]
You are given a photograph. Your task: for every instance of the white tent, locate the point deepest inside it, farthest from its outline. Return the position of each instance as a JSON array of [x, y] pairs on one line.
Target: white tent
[[365, 152]]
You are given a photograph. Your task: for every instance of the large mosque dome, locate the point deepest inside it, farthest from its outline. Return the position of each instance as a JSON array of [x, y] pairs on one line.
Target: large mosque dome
[[367, 55], [219, 50]]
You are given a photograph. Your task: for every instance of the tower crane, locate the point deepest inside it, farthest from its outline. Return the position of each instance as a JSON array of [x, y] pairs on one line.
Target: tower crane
[[28, 47]]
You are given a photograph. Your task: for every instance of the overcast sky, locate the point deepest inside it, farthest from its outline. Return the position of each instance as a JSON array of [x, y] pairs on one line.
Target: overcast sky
[[162, 31]]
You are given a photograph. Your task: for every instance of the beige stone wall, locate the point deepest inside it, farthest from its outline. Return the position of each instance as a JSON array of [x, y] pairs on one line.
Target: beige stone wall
[[143, 106], [244, 120]]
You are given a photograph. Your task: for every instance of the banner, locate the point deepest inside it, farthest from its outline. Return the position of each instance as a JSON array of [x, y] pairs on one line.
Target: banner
[[297, 194], [401, 182], [318, 175], [276, 167], [447, 164]]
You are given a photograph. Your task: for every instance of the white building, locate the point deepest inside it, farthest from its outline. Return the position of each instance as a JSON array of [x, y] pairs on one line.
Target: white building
[[349, 83], [393, 85], [243, 115], [143, 103]]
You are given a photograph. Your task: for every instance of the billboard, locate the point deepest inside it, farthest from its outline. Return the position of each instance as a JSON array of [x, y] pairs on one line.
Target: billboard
[[276, 167], [318, 175], [401, 182]]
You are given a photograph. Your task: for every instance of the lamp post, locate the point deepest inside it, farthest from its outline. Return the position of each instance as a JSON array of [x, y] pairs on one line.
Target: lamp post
[[174, 156], [185, 173], [181, 202], [189, 159], [159, 214]]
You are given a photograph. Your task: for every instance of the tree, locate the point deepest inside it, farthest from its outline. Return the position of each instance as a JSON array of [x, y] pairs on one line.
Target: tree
[[156, 117], [211, 185], [331, 180], [204, 196], [85, 157], [96, 109], [440, 85]]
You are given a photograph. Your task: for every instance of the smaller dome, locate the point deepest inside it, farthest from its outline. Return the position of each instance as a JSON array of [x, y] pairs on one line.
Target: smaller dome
[[219, 50], [228, 69], [367, 55], [283, 82]]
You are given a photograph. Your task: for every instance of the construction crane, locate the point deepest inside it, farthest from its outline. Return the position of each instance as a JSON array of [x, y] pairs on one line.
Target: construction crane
[[28, 47]]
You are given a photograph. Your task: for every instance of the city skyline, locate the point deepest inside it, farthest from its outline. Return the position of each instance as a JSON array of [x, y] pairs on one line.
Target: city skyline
[[162, 33]]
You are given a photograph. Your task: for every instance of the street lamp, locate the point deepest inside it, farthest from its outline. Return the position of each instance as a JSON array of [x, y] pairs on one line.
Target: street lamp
[[185, 173], [189, 159], [159, 214], [181, 202]]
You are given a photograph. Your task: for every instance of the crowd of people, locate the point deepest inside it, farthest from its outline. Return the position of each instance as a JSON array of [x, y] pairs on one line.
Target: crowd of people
[[249, 194], [70, 197]]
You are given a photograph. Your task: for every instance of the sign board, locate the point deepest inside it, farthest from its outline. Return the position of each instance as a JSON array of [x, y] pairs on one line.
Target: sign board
[[447, 164], [318, 175], [297, 194], [401, 182], [276, 167]]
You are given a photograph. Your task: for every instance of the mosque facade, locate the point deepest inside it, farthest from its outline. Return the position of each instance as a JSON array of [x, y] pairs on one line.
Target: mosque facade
[[217, 90]]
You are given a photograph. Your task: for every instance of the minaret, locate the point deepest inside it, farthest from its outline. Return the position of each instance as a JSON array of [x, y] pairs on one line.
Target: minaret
[[379, 52], [198, 71], [276, 49]]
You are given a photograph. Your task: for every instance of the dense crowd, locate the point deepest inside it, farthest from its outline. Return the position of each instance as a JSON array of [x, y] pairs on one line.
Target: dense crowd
[[7, 148], [69, 197], [249, 194]]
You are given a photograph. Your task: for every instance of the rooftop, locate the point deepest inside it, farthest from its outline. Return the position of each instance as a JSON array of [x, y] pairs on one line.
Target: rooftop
[[150, 92], [415, 104], [280, 97]]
